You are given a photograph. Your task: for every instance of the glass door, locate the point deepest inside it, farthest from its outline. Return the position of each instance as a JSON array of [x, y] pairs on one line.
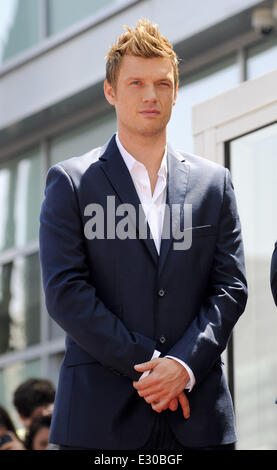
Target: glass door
[[253, 165], [238, 129]]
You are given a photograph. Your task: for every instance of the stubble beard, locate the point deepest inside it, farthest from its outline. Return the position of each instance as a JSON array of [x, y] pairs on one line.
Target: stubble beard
[[148, 131]]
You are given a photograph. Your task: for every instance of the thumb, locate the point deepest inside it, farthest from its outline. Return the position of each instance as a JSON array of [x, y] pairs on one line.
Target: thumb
[[146, 365]]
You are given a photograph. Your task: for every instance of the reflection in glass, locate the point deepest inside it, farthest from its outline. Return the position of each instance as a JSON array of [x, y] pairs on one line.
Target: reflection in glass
[[64, 13], [10, 378], [254, 174], [19, 26], [20, 200], [19, 303], [200, 87]]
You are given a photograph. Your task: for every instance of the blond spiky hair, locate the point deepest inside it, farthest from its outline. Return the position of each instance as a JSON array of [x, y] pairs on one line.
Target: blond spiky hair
[[144, 40]]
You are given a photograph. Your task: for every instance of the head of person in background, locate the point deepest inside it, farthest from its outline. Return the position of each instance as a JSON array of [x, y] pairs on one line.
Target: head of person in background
[[38, 433], [33, 398], [8, 436]]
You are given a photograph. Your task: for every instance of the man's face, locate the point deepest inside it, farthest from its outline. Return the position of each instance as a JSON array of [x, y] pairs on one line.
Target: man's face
[[144, 95]]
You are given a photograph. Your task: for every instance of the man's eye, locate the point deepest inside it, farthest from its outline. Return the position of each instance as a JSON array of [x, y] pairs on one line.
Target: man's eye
[[165, 84], [135, 82]]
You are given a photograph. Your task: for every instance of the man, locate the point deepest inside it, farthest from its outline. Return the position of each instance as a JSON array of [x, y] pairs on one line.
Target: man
[[32, 398], [147, 317], [273, 274]]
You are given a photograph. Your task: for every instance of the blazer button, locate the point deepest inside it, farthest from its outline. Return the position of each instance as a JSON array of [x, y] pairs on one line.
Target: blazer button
[[162, 339], [161, 292]]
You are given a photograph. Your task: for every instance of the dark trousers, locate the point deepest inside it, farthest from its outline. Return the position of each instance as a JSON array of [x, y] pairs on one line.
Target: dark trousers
[[162, 438]]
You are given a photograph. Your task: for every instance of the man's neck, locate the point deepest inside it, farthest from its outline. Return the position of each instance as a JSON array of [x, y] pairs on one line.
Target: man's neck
[[145, 149]]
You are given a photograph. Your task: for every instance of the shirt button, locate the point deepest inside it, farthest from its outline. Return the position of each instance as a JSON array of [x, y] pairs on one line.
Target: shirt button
[[161, 292], [162, 339]]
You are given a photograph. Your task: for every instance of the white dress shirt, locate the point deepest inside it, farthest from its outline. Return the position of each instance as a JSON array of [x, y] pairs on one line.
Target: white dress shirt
[[153, 207]]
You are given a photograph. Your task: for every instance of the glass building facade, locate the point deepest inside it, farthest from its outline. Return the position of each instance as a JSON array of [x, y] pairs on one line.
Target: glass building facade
[[25, 24]]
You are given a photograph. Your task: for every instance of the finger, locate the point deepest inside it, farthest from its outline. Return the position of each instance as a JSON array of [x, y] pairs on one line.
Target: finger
[[173, 404], [160, 406], [153, 390], [155, 398], [146, 365], [184, 404], [149, 381]]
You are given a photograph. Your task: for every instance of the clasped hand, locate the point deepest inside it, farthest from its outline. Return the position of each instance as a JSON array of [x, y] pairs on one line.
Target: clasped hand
[[164, 387]]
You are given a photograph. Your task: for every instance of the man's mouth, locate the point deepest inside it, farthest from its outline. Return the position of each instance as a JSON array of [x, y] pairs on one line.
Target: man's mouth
[[150, 112]]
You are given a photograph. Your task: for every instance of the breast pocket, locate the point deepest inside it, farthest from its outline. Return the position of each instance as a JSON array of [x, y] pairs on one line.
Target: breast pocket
[[203, 231]]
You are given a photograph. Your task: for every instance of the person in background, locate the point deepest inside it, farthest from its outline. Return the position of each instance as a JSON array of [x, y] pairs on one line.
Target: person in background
[[273, 274], [8, 436], [38, 434], [33, 398]]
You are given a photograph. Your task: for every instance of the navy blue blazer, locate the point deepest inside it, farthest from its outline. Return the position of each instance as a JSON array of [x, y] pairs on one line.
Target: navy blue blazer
[[273, 274], [118, 300]]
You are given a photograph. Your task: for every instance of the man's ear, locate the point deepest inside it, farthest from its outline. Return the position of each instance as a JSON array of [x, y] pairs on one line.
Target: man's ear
[[109, 92]]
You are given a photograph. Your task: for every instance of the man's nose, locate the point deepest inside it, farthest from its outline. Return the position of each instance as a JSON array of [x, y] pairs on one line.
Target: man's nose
[[150, 94]]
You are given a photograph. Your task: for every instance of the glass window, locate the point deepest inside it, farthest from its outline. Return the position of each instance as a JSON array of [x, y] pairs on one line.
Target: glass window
[[54, 365], [22, 22], [55, 331], [254, 174], [262, 59], [19, 26], [19, 303], [10, 378], [20, 200], [200, 87], [82, 139], [64, 13]]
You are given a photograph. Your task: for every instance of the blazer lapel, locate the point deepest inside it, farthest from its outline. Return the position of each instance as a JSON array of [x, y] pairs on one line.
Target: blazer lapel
[[119, 176], [177, 181]]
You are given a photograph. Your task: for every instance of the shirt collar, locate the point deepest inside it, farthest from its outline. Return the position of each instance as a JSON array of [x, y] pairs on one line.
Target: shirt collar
[[132, 163]]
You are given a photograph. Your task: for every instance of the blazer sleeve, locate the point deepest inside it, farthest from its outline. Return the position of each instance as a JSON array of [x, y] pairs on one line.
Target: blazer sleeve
[[207, 336], [273, 274], [70, 297]]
